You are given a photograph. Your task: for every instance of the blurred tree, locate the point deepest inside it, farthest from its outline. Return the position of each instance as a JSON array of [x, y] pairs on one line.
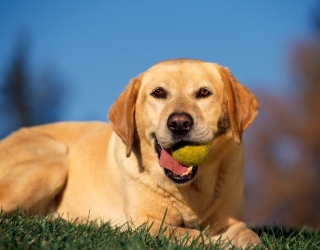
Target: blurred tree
[[15, 89], [27, 100], [286, 147]]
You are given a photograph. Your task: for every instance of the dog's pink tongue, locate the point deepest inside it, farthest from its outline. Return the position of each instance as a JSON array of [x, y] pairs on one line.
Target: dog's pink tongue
[[168, 162]]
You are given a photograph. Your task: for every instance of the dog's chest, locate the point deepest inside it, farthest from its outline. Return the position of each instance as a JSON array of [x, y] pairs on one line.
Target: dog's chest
[[182, 215]]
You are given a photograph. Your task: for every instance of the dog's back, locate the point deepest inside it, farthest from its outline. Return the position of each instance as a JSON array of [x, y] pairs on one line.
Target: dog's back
[[38, 163]]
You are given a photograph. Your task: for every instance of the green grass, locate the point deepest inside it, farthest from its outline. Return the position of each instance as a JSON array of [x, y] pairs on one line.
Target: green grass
[[21, 232]]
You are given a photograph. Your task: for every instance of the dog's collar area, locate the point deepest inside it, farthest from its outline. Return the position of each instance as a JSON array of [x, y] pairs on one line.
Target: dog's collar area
[[186, 176]]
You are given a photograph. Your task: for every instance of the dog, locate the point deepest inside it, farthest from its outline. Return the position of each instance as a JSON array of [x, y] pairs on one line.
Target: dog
[[112, 172]]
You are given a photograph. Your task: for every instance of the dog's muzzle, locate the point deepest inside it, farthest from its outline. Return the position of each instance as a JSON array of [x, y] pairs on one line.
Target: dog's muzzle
[[179, 124]]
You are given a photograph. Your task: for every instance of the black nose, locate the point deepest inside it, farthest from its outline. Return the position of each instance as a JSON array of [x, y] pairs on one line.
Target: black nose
[[180, 123]]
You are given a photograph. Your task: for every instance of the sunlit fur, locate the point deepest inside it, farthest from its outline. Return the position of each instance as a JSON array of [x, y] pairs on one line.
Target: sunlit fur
[[112, 172]]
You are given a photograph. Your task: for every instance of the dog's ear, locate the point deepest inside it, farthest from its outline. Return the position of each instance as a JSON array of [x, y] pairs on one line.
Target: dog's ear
[[242, 104], [121, 113]]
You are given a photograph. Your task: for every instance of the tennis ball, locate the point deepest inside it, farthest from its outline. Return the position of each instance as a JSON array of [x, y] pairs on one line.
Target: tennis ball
[[191, 155]]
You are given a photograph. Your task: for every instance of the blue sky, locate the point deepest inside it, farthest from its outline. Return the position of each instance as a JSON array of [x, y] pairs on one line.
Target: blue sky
[[97, 46]]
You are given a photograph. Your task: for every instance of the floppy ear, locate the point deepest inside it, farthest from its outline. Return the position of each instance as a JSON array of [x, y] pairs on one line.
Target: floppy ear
[[242, 104], [121, 113]]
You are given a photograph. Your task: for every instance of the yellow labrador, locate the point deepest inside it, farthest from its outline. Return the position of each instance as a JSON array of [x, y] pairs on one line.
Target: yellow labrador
[[113, 170]]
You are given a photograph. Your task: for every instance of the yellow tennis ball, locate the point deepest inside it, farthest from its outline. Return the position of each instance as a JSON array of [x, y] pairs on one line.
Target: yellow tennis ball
[[191, 155]]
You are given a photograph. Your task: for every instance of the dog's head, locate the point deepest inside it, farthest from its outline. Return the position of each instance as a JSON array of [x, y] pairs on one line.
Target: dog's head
[[181, 101]]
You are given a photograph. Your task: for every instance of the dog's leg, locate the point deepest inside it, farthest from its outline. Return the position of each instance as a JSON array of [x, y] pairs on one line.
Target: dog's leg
[[33, 169], [174, 233], [238, 235]]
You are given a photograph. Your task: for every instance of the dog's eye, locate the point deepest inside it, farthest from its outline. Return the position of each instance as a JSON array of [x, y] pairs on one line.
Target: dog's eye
[[159, 93], [203, 92]]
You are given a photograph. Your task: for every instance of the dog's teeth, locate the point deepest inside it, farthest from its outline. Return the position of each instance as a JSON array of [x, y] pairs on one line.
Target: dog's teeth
[[185, 173], [188, 171]]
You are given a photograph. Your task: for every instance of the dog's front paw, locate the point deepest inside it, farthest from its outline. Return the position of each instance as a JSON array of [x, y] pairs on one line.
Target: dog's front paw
[[194, 237], [248, 240]]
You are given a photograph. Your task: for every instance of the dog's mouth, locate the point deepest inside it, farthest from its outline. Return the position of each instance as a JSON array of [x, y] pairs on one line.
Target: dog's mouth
[[176, 172]]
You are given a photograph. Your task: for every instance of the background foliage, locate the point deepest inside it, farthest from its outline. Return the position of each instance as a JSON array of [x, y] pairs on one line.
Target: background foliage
[[284, 146]]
